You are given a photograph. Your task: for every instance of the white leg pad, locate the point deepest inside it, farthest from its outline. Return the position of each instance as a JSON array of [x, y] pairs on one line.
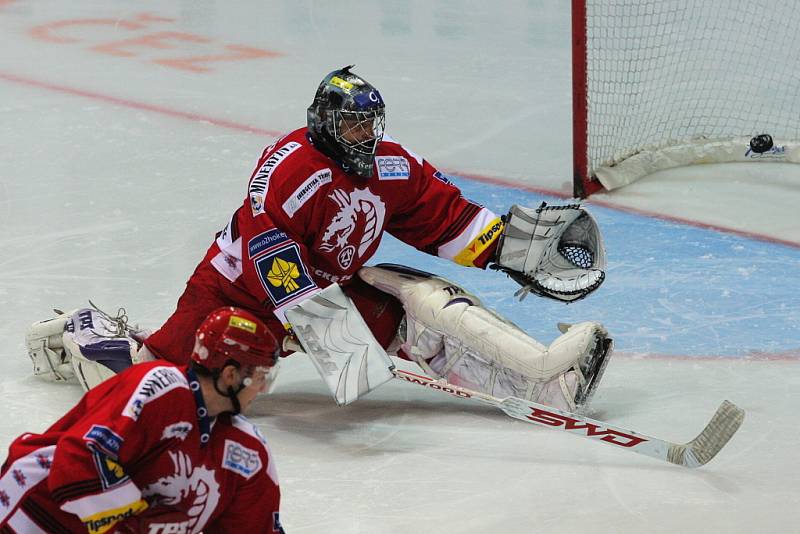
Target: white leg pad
[[88, 372], [46, 349], [449, 332], [98, 346]]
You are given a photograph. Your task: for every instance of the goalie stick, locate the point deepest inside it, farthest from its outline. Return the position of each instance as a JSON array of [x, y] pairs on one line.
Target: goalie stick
[[699, 451], [353, 363]]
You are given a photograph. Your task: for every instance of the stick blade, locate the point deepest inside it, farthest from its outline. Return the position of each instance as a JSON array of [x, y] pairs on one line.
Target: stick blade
[[719, 430]]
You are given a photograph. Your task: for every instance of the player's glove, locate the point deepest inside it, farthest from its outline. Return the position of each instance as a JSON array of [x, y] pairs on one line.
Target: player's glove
[[552, 251]]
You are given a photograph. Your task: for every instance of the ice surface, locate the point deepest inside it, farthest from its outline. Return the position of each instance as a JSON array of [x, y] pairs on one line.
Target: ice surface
[[116, 170]]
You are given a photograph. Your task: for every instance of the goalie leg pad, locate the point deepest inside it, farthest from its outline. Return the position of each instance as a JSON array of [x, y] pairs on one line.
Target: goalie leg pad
[[449, 333], [46, 348], [97, 346]]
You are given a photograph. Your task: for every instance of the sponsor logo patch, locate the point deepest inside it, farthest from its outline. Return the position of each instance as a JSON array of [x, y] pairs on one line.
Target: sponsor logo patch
[[104, 439], [265, 241], [480, 243], [242, 324], [103, 521], [306, 191], [240, 459], [283, 274], [260, 183], [344, 85], [368, 100], [392, 168], [335, 278]]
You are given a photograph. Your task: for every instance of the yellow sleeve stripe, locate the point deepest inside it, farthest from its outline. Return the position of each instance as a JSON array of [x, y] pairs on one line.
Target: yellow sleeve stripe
[[478, 245]]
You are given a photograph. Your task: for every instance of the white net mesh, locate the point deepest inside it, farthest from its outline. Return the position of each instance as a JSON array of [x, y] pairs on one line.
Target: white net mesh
[[665, 71]]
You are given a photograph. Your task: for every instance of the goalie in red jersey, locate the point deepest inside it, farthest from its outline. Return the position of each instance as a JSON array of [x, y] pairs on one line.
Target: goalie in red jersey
[[157, 447], [316, 208]]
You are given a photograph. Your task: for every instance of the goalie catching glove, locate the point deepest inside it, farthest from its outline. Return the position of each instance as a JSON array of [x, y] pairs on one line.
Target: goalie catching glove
[[552, 251]]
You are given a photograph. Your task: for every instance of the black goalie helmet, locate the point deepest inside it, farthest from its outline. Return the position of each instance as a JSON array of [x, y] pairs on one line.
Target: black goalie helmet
[[346, 120]]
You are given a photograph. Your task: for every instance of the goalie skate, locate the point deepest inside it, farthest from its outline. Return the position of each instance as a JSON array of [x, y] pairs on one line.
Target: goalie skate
[[592, 370]]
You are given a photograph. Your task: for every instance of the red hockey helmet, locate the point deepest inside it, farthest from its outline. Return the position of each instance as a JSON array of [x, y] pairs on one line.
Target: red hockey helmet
[[234, 334]]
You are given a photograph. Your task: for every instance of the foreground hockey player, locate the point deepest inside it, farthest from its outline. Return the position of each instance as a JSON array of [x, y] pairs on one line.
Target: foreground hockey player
[[156, 448], [317, 205]]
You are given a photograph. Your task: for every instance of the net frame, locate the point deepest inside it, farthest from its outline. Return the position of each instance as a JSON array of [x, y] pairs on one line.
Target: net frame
[[665, 83]]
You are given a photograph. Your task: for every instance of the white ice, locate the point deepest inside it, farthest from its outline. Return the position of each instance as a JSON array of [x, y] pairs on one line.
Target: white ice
[[118, 165]]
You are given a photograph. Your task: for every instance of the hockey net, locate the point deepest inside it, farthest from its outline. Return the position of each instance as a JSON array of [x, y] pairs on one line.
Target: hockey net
[[664, 83]]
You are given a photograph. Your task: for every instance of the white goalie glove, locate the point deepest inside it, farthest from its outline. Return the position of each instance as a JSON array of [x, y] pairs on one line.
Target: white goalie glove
[[450, 334], [552, 251]]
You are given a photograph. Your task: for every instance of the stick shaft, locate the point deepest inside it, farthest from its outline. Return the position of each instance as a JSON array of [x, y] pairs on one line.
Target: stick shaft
[[716, 434]]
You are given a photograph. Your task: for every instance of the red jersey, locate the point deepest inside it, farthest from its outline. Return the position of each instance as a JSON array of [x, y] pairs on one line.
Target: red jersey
[[142, 438], [305, 223]]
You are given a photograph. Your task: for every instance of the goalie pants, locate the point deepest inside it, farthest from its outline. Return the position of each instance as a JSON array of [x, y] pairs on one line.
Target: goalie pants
[[207, 290]]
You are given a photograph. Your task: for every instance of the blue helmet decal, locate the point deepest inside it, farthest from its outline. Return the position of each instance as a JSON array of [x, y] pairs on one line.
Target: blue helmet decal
[[370, 100]]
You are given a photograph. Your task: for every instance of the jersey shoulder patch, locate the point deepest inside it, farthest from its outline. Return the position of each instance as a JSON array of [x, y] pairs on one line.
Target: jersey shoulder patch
[[255, 439], [283, 274], [240, 459], [259, 184], [392, 168], [156, 382], [306, 190]]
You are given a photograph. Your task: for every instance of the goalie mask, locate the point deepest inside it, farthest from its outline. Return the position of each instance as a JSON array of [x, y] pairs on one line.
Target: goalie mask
[[552, 251], [346, 121]]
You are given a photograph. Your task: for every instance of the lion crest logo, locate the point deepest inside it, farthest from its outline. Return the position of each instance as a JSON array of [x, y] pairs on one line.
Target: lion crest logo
[[197, 485], [359, 210]]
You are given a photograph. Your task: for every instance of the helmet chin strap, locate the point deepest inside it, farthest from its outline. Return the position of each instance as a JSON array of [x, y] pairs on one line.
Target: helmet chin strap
[[231, 393]]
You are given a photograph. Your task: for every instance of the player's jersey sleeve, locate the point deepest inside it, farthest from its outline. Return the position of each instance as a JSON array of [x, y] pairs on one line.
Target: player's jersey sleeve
[[255, 506], [259, 251], [437, 219], [121, 422]]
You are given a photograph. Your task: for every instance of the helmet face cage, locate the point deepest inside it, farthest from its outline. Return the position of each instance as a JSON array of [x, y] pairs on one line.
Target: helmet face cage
[[361, 131], [346, 121]]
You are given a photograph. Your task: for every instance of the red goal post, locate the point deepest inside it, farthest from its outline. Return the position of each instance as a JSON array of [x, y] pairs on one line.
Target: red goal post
[[664, 83]]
